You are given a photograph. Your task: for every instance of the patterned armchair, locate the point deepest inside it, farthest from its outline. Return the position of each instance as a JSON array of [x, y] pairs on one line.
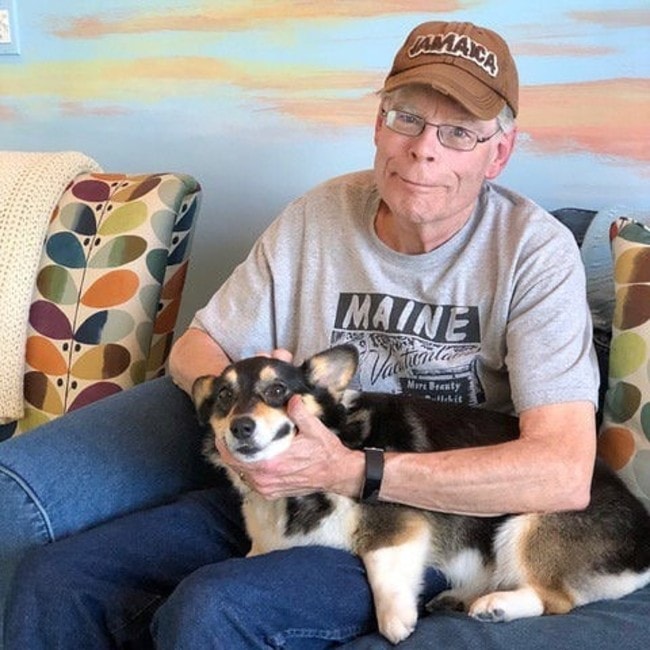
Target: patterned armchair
[[108, 290]]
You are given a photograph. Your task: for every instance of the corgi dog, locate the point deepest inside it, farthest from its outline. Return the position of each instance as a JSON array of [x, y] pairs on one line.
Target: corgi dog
[[499, 568]]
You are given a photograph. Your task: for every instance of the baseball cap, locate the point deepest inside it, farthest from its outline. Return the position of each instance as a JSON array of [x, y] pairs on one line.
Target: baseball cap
[[471, 64]]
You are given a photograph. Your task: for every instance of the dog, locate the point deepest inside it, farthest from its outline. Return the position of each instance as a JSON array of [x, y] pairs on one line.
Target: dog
[[499, 568]]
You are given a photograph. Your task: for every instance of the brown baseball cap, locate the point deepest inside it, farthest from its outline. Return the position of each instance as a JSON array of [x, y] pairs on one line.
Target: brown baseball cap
[[471, 64]]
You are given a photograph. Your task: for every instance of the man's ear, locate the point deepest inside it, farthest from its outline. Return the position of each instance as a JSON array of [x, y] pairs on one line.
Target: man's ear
[[332, 369], [505, 147], [203, 397], [379, 123]]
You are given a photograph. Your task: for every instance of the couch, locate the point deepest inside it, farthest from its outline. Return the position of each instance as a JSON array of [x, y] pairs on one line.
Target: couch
[[107, 291], [166, 467]]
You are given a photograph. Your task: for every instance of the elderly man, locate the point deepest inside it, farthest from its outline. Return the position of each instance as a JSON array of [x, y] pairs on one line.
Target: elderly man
[[449, 286]]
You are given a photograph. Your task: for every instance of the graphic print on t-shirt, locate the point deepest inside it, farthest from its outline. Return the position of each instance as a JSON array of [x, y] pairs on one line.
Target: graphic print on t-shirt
[[411, 347]]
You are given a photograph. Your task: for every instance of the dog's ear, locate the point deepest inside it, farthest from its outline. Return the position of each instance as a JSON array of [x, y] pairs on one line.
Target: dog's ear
[[203, 397], [332, 369]]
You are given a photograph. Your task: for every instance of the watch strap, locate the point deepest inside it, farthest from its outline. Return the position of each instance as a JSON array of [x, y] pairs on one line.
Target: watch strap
[[374, 473]]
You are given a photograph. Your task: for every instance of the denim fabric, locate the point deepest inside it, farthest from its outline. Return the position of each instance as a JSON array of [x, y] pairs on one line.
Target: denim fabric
[[182, 564], [100, 588], [135, 449], [302, 598]]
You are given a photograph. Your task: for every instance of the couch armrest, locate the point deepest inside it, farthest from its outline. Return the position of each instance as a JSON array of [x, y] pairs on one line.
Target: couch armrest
[[108, 289]]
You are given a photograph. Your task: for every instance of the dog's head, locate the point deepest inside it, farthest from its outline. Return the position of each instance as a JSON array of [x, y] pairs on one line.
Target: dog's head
[[246, 405]]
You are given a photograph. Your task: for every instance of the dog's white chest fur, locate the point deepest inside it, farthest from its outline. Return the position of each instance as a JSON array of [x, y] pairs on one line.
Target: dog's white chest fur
[[266, 522]]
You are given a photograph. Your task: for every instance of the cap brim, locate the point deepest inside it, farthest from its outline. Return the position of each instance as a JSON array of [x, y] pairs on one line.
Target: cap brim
[[470, 93]]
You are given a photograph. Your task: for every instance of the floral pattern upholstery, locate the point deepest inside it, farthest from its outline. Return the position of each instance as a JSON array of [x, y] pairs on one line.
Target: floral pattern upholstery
[[108, 289]]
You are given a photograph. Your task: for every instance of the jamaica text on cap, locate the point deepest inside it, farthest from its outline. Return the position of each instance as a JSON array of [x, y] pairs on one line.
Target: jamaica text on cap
[[471, 64]]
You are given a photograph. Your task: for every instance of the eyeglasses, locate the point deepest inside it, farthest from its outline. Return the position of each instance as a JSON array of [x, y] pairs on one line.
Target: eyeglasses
[[449, 135]]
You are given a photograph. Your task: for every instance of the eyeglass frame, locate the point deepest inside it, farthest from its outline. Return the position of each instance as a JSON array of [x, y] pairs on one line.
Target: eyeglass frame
[[479, 139]]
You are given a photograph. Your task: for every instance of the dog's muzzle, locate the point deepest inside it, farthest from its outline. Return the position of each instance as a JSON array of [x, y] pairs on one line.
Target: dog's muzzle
[[243, 433]]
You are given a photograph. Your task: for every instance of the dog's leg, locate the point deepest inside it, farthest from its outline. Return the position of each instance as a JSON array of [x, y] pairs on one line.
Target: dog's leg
[[255, 550], [395, 575], [501, 606], [529, 578], [469, 573]]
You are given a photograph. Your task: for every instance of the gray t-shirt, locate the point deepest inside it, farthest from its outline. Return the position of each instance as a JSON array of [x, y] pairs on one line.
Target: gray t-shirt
[[496, 317]]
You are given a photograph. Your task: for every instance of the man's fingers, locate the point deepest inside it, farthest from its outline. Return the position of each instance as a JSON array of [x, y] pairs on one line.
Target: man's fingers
[[280, 354], [298, 412]]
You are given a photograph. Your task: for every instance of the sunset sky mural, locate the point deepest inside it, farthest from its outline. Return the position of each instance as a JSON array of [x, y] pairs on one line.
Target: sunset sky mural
[[260, 99]]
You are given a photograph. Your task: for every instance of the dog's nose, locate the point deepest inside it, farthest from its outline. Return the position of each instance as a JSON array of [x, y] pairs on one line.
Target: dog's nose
[[243, 428]]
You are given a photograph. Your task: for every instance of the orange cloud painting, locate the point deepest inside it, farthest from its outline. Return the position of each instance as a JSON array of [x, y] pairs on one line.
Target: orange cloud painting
[[242, 14], [567, 117], [615, 18], [607, 117]]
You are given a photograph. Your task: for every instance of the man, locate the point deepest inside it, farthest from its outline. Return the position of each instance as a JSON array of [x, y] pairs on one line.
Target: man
[[449, 286]]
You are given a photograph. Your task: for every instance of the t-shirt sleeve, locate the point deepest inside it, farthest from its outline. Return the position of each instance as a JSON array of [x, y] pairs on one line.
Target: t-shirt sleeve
[[253, 310], [550, 356], [239, 316]]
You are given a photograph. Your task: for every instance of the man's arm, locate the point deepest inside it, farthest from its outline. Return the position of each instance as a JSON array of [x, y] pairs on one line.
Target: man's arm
[[547, 469], [195, 354]]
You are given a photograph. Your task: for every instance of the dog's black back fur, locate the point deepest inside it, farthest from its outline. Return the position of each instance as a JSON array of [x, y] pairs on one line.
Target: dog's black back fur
[[412, 424], [399, 423]]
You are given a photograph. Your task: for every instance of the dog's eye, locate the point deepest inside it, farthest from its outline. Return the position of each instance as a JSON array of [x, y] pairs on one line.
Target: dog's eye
[[224, 397], [275, 393]]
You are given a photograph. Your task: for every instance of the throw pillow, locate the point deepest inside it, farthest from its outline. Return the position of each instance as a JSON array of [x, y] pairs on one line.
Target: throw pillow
[[624, 439], [597, 257]]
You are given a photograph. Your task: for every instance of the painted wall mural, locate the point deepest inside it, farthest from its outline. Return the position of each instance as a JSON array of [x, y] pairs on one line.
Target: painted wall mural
[[261, 99]]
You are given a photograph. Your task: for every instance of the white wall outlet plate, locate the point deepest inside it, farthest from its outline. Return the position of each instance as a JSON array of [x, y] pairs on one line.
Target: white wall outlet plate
[[8, 27]]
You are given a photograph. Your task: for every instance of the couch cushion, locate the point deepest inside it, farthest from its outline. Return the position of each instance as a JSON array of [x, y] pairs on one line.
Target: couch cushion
[[625, 433]]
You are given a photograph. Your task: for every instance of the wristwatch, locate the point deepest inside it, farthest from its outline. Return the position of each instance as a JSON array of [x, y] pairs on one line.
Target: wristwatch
[[373, 474]]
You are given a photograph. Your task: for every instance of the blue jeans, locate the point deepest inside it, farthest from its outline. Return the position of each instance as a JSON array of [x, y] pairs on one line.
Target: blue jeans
[[175, 577], [137, 566], [127, 452]]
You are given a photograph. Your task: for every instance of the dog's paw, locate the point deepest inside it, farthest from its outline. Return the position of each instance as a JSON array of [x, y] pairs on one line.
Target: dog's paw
[[397, 628], [397, 620], [502, 606], [487, 611]]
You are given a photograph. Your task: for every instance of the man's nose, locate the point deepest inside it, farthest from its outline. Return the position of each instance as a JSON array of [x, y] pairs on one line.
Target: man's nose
[[426, 146]]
